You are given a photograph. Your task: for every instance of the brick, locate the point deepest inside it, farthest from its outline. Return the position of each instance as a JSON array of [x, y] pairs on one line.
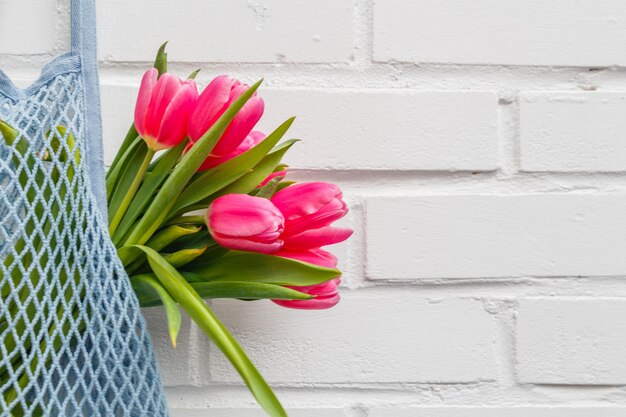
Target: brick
[[255, 412], [227, 31], [539, 411], [387, 129], [173, 363], [38, 37], [571, 341], [566, 132], [366, 338], [474, 236], [558, 32], [118, 106]]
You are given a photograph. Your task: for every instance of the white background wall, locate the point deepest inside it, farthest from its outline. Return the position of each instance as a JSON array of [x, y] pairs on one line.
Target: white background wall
[[482, 147]]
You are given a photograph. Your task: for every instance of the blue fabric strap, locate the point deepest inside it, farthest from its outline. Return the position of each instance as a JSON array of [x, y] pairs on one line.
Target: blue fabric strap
[[84, 45]]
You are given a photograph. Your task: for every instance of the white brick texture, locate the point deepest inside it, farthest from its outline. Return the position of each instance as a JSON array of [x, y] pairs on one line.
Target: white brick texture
[[408, 339], [493, 236], [571, 341], [38, 37], [568, 132], [227, 31], [481, 146], [501, 32], [384, 129]]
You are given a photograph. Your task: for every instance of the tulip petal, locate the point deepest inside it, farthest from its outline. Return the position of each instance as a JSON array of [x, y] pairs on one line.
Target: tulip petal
[[317, 238], [240, 127], [318, 303], [318, 257], [164, 92], [211, 104], [148, 82], [174, 123]]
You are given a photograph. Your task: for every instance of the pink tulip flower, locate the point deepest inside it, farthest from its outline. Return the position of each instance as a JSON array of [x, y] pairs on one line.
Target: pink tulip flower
[[312, 205], [213, 102], [247, 223], [326, 294], [163, 109]]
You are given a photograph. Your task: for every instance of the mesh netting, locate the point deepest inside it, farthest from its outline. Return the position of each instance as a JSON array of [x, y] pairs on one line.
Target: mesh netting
[[72, 339]]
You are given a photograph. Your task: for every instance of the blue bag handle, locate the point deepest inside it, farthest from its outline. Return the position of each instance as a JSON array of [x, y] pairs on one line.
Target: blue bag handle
[[84, 45]]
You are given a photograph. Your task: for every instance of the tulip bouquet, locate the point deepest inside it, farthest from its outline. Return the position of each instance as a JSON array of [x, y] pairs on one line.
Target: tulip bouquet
[[200, 208]]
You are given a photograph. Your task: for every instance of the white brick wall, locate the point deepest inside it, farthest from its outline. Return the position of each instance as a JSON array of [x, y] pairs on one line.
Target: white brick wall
[[482, 148]]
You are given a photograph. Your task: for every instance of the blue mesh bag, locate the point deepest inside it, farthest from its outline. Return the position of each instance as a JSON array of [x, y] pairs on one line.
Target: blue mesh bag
[[72, 338]]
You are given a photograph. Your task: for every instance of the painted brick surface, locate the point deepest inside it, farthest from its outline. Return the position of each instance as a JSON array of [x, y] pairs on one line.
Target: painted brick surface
[[416, 340], [496, 32], [384, 129], [568, 132], [492, 236], [38, 37], [227, 31], [571, 341]]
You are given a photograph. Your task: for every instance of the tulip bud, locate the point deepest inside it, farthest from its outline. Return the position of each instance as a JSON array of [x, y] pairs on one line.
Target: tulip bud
[[213, 102], [326, 294], [164, 105], [309, 205], [247, 223]]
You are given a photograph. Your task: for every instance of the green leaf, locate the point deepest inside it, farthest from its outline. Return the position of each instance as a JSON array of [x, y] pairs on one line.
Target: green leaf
[[213, 180], [127, 187], [194, 74], [170, 234], [183, 256], [235, 290], [191, 302], [149, 187], [147, 285], [257, 267], [131, 138], [250, 181], [160, 62], [176, 182], [269, 189]]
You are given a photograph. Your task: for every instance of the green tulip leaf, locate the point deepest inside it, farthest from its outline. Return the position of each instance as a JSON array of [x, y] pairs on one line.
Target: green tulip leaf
[[147, 287], [257, 267], [192, 303], [147, 190], [233, 290], [170, 234], [215, 179], [183, 256]]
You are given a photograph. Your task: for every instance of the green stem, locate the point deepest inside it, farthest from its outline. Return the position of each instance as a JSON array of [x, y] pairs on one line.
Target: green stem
[[119, 214]]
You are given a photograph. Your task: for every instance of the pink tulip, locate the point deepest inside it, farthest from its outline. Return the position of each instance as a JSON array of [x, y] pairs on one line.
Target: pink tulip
[[253, 139], [163, 109], [326, 293], [213, 102], [312, 205], [247, 223]]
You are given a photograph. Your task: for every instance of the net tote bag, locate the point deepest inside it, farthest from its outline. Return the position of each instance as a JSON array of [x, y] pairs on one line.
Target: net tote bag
[[72, 338]]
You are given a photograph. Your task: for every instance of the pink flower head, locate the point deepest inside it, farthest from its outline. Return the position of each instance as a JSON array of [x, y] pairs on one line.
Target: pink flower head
[[311, 205], [326, 294], [163, 109], [253, 139], [247, 223], [213, 102]]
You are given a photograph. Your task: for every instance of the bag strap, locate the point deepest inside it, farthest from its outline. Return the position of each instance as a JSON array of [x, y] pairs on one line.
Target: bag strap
[[84, 45]]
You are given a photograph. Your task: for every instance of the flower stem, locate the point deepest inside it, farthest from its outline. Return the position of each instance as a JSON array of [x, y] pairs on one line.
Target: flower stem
[[128, 198]]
